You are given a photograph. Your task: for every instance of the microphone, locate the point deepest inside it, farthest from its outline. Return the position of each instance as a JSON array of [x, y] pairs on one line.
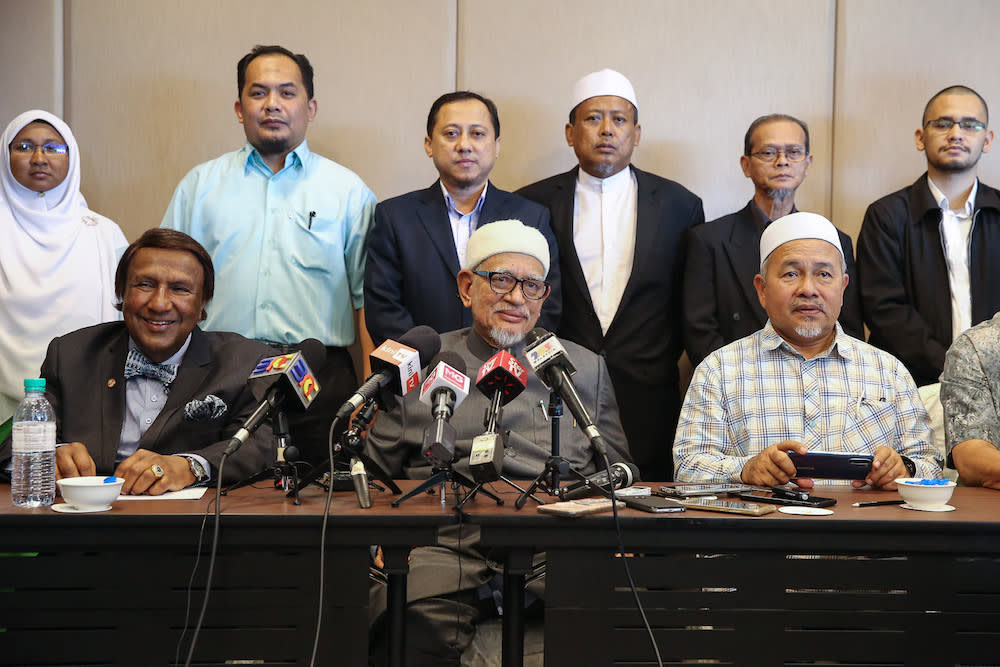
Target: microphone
[[360, 478], [395, 368], [444, 390], [502, 378], [273, 378], [622, 475], [547, 357]]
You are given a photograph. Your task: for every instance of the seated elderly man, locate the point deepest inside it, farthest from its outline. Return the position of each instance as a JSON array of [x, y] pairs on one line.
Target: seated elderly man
[[970, 395], [154, 399], [503, 283], [800, 383]]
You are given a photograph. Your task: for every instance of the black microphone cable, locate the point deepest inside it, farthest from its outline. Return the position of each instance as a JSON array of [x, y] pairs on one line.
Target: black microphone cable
[[628, 570], [322, 543], [211, 562]]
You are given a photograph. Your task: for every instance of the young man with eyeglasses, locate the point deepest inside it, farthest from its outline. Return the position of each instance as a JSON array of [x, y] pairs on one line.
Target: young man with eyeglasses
[[418, 242], [722, 258], [927, 253], [504, 286]]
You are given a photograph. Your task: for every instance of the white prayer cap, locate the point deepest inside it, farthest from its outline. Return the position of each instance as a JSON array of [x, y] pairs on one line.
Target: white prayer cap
[[795, 227], [604, 82], [506, 236]]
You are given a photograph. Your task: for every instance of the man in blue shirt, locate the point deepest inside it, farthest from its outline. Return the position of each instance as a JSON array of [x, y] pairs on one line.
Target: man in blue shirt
[[286, 229]]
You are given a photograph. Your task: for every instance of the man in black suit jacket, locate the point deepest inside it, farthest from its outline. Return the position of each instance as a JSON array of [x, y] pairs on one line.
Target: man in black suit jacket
[[638, 329], [154, 399], [417, 244], [722, 258]]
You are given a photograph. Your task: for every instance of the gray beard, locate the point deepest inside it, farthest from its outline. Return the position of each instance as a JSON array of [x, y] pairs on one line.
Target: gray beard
[[780, 194], [505, 338], [814, 331]]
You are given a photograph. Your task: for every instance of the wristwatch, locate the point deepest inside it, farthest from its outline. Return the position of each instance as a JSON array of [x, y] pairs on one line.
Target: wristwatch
[[911, 467], [197, 469]]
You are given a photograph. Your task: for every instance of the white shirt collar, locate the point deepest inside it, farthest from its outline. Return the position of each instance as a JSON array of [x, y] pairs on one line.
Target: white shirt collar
[[614, 182], [942, 200]]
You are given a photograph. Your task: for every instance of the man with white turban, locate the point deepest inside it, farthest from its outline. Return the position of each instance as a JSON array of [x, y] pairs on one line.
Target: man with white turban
[[800, 383], [620, 232]]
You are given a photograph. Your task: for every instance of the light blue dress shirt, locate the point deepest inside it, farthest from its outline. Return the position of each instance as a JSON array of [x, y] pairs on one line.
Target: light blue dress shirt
[[288, 247]]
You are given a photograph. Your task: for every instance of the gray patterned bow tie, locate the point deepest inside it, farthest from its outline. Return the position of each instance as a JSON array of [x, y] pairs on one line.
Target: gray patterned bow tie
[[137, 364]]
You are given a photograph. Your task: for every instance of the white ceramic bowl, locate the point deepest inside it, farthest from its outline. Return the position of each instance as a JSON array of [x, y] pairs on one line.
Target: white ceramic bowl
[[90, 492], [924, 492]]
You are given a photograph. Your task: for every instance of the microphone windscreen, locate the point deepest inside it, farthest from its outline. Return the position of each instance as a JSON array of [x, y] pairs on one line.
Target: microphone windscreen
[[535, 335], [424, 340], [314, 352], [452, 358]]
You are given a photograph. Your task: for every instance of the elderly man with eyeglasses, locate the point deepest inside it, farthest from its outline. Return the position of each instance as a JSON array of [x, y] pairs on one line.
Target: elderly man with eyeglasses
[[504, 285], [720, 303], [927, 254]]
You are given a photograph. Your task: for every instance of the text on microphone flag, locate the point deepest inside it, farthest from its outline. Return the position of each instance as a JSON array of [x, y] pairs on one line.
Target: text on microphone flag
[[460, 380]]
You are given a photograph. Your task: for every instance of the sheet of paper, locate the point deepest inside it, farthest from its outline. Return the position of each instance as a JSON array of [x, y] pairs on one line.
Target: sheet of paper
[[192, 493]]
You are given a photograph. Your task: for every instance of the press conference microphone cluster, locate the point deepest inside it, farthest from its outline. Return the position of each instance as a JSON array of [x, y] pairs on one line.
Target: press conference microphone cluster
[[547, 357], [444, 390], [395, 369], [502, 378], [276, 378], [622, 475]]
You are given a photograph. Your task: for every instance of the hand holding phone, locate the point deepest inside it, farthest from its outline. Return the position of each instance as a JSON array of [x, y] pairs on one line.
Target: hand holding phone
[[831, 465]]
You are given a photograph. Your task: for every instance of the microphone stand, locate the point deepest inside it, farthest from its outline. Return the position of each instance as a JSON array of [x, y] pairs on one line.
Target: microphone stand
[[447, 474], [284, 471], [548, 479], [352, 444]]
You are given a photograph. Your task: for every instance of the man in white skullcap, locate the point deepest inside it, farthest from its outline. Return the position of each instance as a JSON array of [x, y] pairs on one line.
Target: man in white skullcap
[[504, 284], [800, 383], [620, 232]]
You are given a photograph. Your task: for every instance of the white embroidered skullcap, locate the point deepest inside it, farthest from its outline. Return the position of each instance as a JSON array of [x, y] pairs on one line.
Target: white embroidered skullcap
[[604, 82], [506, 236], [795, 227]]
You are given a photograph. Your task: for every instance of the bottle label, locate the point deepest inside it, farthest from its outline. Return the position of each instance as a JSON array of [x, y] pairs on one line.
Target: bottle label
[[30, 437]]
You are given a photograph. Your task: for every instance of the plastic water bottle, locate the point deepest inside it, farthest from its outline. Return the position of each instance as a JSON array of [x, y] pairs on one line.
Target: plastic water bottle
[[33, 476]]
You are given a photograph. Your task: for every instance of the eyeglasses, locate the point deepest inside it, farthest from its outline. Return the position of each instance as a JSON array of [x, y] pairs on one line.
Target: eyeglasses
[[504, 283], [28, 148], [945, 124], [770, 153]]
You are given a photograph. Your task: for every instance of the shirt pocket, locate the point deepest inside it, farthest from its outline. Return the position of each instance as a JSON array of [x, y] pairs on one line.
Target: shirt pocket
[[871, 423]]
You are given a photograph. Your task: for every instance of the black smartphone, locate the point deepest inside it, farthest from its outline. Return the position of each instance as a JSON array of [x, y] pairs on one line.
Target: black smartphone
[[802, 499], [831, 465], [654, 504]]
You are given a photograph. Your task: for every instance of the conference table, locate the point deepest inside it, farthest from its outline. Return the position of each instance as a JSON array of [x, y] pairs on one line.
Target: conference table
[[110, 588], [862, 586], [873, 585]]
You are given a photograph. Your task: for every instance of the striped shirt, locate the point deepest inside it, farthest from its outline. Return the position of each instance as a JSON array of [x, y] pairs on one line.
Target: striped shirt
[[759, 391]]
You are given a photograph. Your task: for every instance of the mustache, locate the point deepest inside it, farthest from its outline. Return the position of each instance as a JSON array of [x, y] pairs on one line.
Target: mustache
[[815, 303], [504, 308]]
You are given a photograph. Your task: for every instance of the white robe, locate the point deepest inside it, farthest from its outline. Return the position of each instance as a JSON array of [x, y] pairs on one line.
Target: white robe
[[57, 265]]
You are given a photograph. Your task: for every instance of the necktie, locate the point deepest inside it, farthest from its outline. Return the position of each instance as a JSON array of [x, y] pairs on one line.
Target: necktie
[[137, 364]]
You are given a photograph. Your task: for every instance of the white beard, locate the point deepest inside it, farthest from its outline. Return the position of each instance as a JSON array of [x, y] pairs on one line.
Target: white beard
[[814, 331], [505, 338]]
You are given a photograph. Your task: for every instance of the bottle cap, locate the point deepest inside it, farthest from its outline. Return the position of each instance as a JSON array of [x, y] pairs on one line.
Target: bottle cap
[[34, 384]]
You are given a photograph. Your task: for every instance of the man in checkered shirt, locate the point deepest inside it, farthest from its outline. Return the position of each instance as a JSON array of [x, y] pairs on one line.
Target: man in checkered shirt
[[800, 383]]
